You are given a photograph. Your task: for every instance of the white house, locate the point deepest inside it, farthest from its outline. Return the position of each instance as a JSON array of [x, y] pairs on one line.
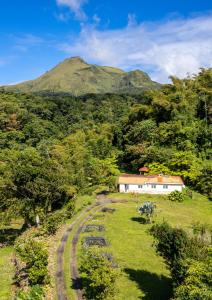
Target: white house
[[152, 184]]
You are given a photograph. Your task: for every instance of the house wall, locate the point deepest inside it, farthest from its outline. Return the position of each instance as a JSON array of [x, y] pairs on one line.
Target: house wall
[[147, 188]]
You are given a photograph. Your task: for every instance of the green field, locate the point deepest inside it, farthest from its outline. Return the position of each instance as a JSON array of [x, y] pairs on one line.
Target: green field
[[144, 274], [6, 273], [8, 234]]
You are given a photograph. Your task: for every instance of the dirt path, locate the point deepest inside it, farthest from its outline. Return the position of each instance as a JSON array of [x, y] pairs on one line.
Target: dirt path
[[60, 278], [73, 265]]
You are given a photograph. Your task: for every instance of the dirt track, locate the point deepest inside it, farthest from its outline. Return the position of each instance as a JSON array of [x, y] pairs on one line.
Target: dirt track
[[60, 278]]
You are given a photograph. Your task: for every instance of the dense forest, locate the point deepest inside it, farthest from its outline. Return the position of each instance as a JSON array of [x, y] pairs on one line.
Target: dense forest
[[55, 146]]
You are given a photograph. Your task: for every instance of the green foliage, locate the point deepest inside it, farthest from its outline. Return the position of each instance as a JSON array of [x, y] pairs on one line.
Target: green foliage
[[55, 146], [158, 168], [172, 244], [98, 275], [176, 247], [34, 293], [147, 209], [198, 281], [34, 183], [176, 196], [69, 209], [204, 181], [35, 256], [53, 222]]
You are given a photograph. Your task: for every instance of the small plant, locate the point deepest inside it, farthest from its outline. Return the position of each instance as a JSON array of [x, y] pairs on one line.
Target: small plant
[[147, 209], [176, 196]]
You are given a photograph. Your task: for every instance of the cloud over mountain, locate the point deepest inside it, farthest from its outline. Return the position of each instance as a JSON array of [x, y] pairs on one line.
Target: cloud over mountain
[[173, 47]]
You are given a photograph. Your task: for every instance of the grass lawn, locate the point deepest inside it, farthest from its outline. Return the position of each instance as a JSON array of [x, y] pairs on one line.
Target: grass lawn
[[8, 234], [144, 274], [6, 273]]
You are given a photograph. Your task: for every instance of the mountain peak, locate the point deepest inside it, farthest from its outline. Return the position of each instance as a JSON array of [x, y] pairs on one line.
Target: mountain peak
[[77, 77], [75, 59]]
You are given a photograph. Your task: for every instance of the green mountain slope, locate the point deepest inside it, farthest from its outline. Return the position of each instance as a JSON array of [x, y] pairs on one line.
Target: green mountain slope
[[77, 77]]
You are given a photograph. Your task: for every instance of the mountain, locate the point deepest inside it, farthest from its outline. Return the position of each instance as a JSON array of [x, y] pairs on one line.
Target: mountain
[[77, 77]]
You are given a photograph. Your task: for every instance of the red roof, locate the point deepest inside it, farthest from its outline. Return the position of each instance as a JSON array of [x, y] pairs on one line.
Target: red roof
[[143, 169], [155, 179]]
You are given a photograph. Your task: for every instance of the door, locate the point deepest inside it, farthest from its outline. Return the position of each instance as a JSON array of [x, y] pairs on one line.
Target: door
[[126, 188]]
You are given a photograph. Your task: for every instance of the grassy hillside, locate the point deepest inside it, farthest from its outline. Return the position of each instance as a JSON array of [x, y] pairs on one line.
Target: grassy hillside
[[144, 274], [77, 77]]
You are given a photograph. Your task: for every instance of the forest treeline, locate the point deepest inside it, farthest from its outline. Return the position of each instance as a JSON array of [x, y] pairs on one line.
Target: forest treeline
[[55, 146]]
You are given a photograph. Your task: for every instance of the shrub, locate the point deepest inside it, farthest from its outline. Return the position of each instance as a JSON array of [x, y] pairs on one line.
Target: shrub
[[35, 256], [98, 275], [53, 222], [198, 281], [55, 219], [34, 293], [171, 244], [69, 209], [175, 246], [176, 196]]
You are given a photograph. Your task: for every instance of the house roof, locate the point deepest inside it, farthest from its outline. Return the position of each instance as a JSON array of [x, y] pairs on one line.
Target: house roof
[[143, 169], [155, 179]]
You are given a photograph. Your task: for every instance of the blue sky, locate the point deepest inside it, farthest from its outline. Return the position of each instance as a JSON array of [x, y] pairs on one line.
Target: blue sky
[[162, 38]]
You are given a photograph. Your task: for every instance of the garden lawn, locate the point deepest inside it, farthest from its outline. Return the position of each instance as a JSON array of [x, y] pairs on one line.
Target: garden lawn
[[144, 274], [6, 273]]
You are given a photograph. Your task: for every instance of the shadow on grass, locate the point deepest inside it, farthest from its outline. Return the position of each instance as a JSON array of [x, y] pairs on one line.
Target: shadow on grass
[[8, 235], [140, 220], [155, 287], [76, 284]]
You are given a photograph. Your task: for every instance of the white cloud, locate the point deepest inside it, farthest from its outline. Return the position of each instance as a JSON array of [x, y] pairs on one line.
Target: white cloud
[[24, 42], [173, 47], [75, 6]]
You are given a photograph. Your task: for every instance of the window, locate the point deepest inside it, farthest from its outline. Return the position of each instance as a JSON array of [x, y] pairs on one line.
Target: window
[[153, 186], [165, 186], [140, 186]]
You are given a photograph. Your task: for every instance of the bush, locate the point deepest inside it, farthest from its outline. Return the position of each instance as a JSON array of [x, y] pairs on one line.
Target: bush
[[172, 245], [53, 222], [198, 281], [98, 275], [35, 256], [176, 196], [55, 219], [175, 246], [69, 209], [35, 293]]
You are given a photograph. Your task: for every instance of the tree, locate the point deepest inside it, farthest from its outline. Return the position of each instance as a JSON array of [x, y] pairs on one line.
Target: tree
[[147, 209], [33, 184], [203, 182]]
